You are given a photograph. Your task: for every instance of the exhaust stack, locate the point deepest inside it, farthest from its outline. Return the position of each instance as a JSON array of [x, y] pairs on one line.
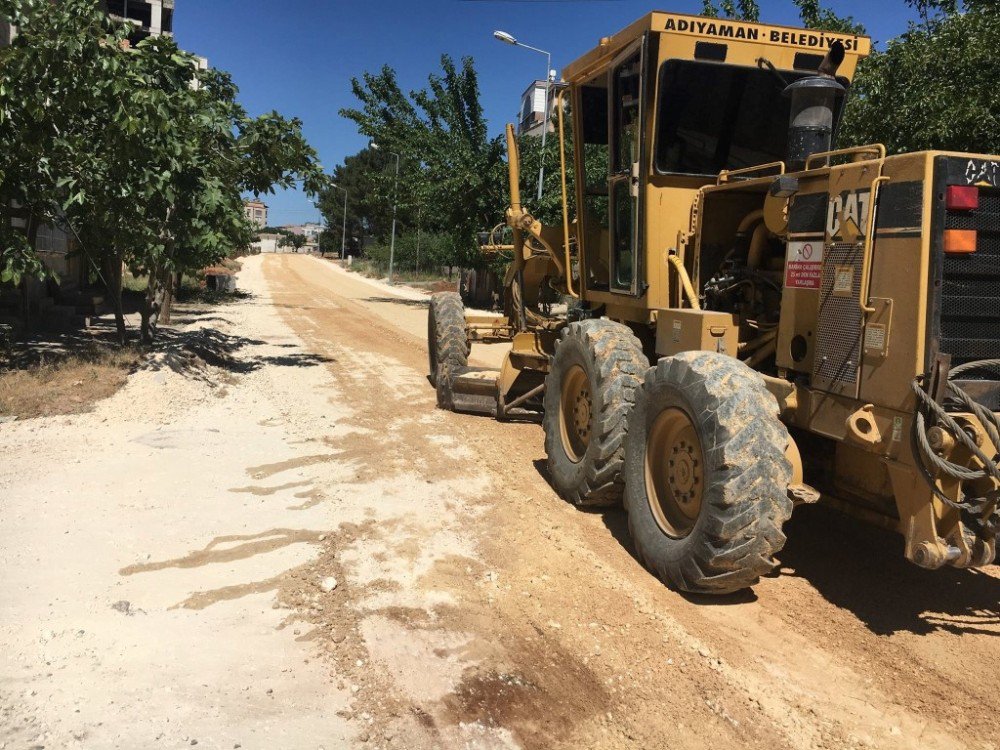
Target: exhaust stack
[[814, 101]]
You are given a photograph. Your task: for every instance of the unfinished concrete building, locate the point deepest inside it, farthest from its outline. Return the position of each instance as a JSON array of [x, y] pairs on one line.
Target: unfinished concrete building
[[150, 17]]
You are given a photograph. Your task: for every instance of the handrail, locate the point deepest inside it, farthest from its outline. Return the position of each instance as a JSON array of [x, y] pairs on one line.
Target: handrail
[[866, 274], [875, 148], [568, 270], [725, 174]]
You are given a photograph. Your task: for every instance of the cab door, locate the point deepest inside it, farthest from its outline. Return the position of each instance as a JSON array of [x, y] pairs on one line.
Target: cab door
[[626, 114]]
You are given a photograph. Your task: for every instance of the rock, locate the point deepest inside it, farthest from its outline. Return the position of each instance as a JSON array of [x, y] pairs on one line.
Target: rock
[[328, 584], [125, 607]]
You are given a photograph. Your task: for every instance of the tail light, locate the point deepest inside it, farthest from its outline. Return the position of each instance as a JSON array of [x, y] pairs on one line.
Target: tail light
[[962, 198], [960, 241]]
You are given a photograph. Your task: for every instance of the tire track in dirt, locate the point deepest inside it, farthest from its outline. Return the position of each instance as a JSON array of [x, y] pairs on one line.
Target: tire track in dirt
[[570, 643]]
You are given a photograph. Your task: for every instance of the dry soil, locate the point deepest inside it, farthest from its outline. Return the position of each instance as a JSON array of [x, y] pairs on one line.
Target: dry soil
[[292, 548]]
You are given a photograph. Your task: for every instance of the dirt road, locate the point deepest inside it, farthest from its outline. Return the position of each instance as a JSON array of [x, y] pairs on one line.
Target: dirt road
[[313, 556]]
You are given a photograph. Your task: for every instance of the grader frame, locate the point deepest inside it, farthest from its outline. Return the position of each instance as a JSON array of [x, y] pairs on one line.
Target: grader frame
[[841, 284]]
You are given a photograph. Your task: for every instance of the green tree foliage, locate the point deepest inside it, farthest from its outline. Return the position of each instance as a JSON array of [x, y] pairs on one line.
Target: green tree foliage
[[329, 242], [367, 178], [450, 169], [934, 87], [137, 150], [815, 16], [740, 10], [416, 252], [292, 240]]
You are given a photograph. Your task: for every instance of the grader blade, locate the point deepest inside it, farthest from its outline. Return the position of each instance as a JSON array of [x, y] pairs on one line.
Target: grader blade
[[474, 390]]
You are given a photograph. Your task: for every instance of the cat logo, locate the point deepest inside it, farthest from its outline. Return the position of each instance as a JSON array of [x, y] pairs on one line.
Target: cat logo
[[847, 217]]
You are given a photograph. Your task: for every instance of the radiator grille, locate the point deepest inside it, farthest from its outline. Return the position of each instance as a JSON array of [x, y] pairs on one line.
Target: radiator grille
[[838, 330], [970, 286]]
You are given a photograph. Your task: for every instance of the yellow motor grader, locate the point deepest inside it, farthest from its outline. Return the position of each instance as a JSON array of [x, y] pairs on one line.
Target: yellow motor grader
[[755, 320]]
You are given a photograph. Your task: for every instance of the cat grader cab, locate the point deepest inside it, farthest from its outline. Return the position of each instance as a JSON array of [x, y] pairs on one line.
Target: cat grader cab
[[754, 320]]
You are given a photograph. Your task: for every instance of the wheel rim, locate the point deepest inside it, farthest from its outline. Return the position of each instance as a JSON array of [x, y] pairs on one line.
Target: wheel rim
[[576, 413], [675, 473]]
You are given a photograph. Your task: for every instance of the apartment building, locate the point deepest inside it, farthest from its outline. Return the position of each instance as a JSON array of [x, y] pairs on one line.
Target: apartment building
[[532, 113], [150, 17], [256, 211]]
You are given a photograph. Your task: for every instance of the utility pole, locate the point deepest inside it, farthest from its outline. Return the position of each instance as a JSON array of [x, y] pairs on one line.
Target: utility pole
[[343, 226], [420, 208], [506, 38], [395, 203], [343, 229]]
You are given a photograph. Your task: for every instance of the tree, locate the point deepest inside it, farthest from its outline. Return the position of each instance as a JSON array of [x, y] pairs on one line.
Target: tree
[[366, 179], [933, 87], [740, 10], [815, 16], [144, 155], [329, 242], [451, 171], [292, 240]]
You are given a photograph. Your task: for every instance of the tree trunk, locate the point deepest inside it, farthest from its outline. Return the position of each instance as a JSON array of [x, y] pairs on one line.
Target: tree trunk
[[156, 292], [168, 298], [112, 273]]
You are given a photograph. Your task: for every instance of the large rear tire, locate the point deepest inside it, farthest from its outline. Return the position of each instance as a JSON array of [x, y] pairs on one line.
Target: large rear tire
[[447, 337], [706, 474], [589, 392]]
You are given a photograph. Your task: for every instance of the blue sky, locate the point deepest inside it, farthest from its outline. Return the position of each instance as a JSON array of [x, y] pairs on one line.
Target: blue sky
[[298, 56]]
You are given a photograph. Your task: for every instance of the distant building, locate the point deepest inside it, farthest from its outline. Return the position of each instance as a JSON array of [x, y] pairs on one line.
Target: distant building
[[266, 242], [309, 230], [150, 17], [7, 32], [533, 109], [256, 211], [272, 242]]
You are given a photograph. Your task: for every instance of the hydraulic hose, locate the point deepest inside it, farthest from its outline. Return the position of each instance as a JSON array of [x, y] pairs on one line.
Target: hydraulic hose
[[985, 509]]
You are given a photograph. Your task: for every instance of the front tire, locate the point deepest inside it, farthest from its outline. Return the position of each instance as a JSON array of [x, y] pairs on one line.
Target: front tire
[[589, 392], [447, 337], [706, 474]]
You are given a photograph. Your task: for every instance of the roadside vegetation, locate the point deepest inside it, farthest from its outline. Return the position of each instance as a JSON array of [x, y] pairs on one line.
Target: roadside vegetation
[[65, 382], [139, 152]]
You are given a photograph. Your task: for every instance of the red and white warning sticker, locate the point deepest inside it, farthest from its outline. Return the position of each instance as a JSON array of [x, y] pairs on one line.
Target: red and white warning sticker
[[804, 265]]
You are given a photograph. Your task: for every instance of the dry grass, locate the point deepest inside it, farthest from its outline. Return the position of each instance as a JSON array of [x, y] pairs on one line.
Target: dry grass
[[69, 385]]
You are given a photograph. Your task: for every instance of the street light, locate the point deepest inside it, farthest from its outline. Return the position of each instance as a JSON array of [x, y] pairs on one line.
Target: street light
[[343, 228], [506, 38], [395, 195], [320, 235]]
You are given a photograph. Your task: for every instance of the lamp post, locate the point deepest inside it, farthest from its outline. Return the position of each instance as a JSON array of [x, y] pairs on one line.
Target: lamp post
[[506, 38], [395, 196], [320, 224], [343, 228]]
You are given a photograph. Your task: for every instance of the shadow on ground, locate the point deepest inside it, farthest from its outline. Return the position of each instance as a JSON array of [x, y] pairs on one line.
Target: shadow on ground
[[185, 351], [861, 569], [398, 301]]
